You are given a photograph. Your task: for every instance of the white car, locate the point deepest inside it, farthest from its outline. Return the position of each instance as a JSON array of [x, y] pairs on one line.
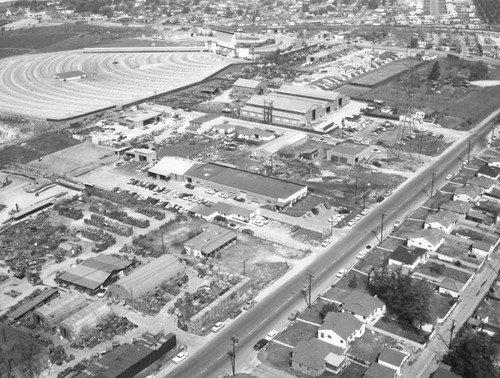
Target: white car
[[365, 211], [449, 177], [271, 335], [217, 327], [181, 356], [326, 242], [341, 273], [361, 254], [397, 224]]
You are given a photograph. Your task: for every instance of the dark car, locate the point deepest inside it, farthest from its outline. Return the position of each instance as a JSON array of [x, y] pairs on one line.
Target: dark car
[[189, 186], [259, 345], [235, 313]]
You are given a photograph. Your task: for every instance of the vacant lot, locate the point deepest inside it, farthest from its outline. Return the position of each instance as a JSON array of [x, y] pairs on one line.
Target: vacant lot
[[393, 326], [35, 148]]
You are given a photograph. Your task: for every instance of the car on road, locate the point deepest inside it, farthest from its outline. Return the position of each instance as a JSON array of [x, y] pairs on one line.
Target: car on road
[[294, 315], [250, 303], [217, 327], [341, 273], [235, 313], [259, 345], [271, 335], [449, 177]]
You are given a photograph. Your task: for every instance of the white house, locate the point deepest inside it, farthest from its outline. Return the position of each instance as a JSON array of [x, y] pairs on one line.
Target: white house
[[481, 248], [366, 308], [430, 239], [442, 220], [468, 193], [340, 328], [450, 287]]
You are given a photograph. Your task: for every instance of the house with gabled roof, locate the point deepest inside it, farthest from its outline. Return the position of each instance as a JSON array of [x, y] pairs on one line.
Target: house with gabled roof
[[481, 248], [308, 356], [430, 239], [486, 183], [442, 220], [478, 217], [407, 258], [340, 328], [488, 171], [363, 306], [458, 207], [393, 359], [468, 193], [450, 287]]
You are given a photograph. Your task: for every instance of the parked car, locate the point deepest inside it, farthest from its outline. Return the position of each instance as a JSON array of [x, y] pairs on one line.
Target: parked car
[[397, 224], [361, 254], [326, 242], [259, 345], [250, 303], [235, 313], [189, 186], [341, 273], [181, 356], [271, 335], [217, 327]]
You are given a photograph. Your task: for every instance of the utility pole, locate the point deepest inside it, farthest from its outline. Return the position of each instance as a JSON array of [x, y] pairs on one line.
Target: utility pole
[[364, 197], [244, 267], [232, 353], [356, 188], [451, 331], [468, 154], [307, 297], [492, 134], [382, 227], [432, 182], [162, 243]]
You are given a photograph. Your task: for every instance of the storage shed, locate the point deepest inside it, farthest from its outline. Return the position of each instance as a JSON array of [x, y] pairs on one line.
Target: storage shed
[[54, 312], [85, 319], [348, 153]]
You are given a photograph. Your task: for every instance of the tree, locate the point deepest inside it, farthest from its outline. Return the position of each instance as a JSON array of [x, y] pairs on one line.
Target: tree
[[435, 71], [472, 354], [406, 298], [353, 283], [478, 71], [327, 307]]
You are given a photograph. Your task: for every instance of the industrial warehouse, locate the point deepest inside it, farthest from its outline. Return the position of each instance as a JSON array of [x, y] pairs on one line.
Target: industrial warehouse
[[293, 106]]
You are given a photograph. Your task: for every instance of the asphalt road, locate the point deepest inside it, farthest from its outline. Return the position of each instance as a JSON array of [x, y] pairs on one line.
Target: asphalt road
[[211, 360]]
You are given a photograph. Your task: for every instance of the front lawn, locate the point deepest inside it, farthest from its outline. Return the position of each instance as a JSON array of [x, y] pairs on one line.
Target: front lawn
[[398, 329], [296, 332]]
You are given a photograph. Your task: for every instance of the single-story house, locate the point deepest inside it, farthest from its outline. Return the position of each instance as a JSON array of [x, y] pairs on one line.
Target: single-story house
[[442, 220], [450, 287], [407, 258], [459, 207], [430, 239], [310, 357], [393, 359], [363, 306], [489, 171], [481, 248], [483, 182], [340, 328], [468, 193], [212, 239]]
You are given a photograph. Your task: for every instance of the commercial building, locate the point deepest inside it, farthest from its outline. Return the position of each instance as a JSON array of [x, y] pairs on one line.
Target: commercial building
[[146, 278], [211, 240], [141, 154], [128, 360], [326, 55], [252, 187], [226, 210], [275, 145], [204, 124], [42, 298], [54, 312], [348, 153], [20, 355], [142, 118], [171, 168], [246, 87], [86, 319], [335, 100], [94, 273]]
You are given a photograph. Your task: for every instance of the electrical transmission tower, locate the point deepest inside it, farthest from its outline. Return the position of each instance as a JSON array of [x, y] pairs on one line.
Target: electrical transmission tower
[[407, 123]]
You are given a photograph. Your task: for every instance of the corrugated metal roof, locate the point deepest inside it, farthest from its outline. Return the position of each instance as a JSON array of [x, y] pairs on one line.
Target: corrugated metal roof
[[171, 165]]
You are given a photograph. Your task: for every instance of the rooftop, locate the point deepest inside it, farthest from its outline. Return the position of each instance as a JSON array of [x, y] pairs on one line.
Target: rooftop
[[459, 207], [445, 218], [171, 165], [244, 180], [311, 353], [247, 83], [361, 303], [285, 103], [305, 92], [205, 118], [379, 371], [349, 148], [142, 116], [342, 323], [407, 255], [392, 356], [211, 239], [432, 235]]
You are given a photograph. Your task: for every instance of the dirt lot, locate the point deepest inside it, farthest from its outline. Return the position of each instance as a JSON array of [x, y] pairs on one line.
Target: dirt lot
[[264, 261], [368, 346]]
